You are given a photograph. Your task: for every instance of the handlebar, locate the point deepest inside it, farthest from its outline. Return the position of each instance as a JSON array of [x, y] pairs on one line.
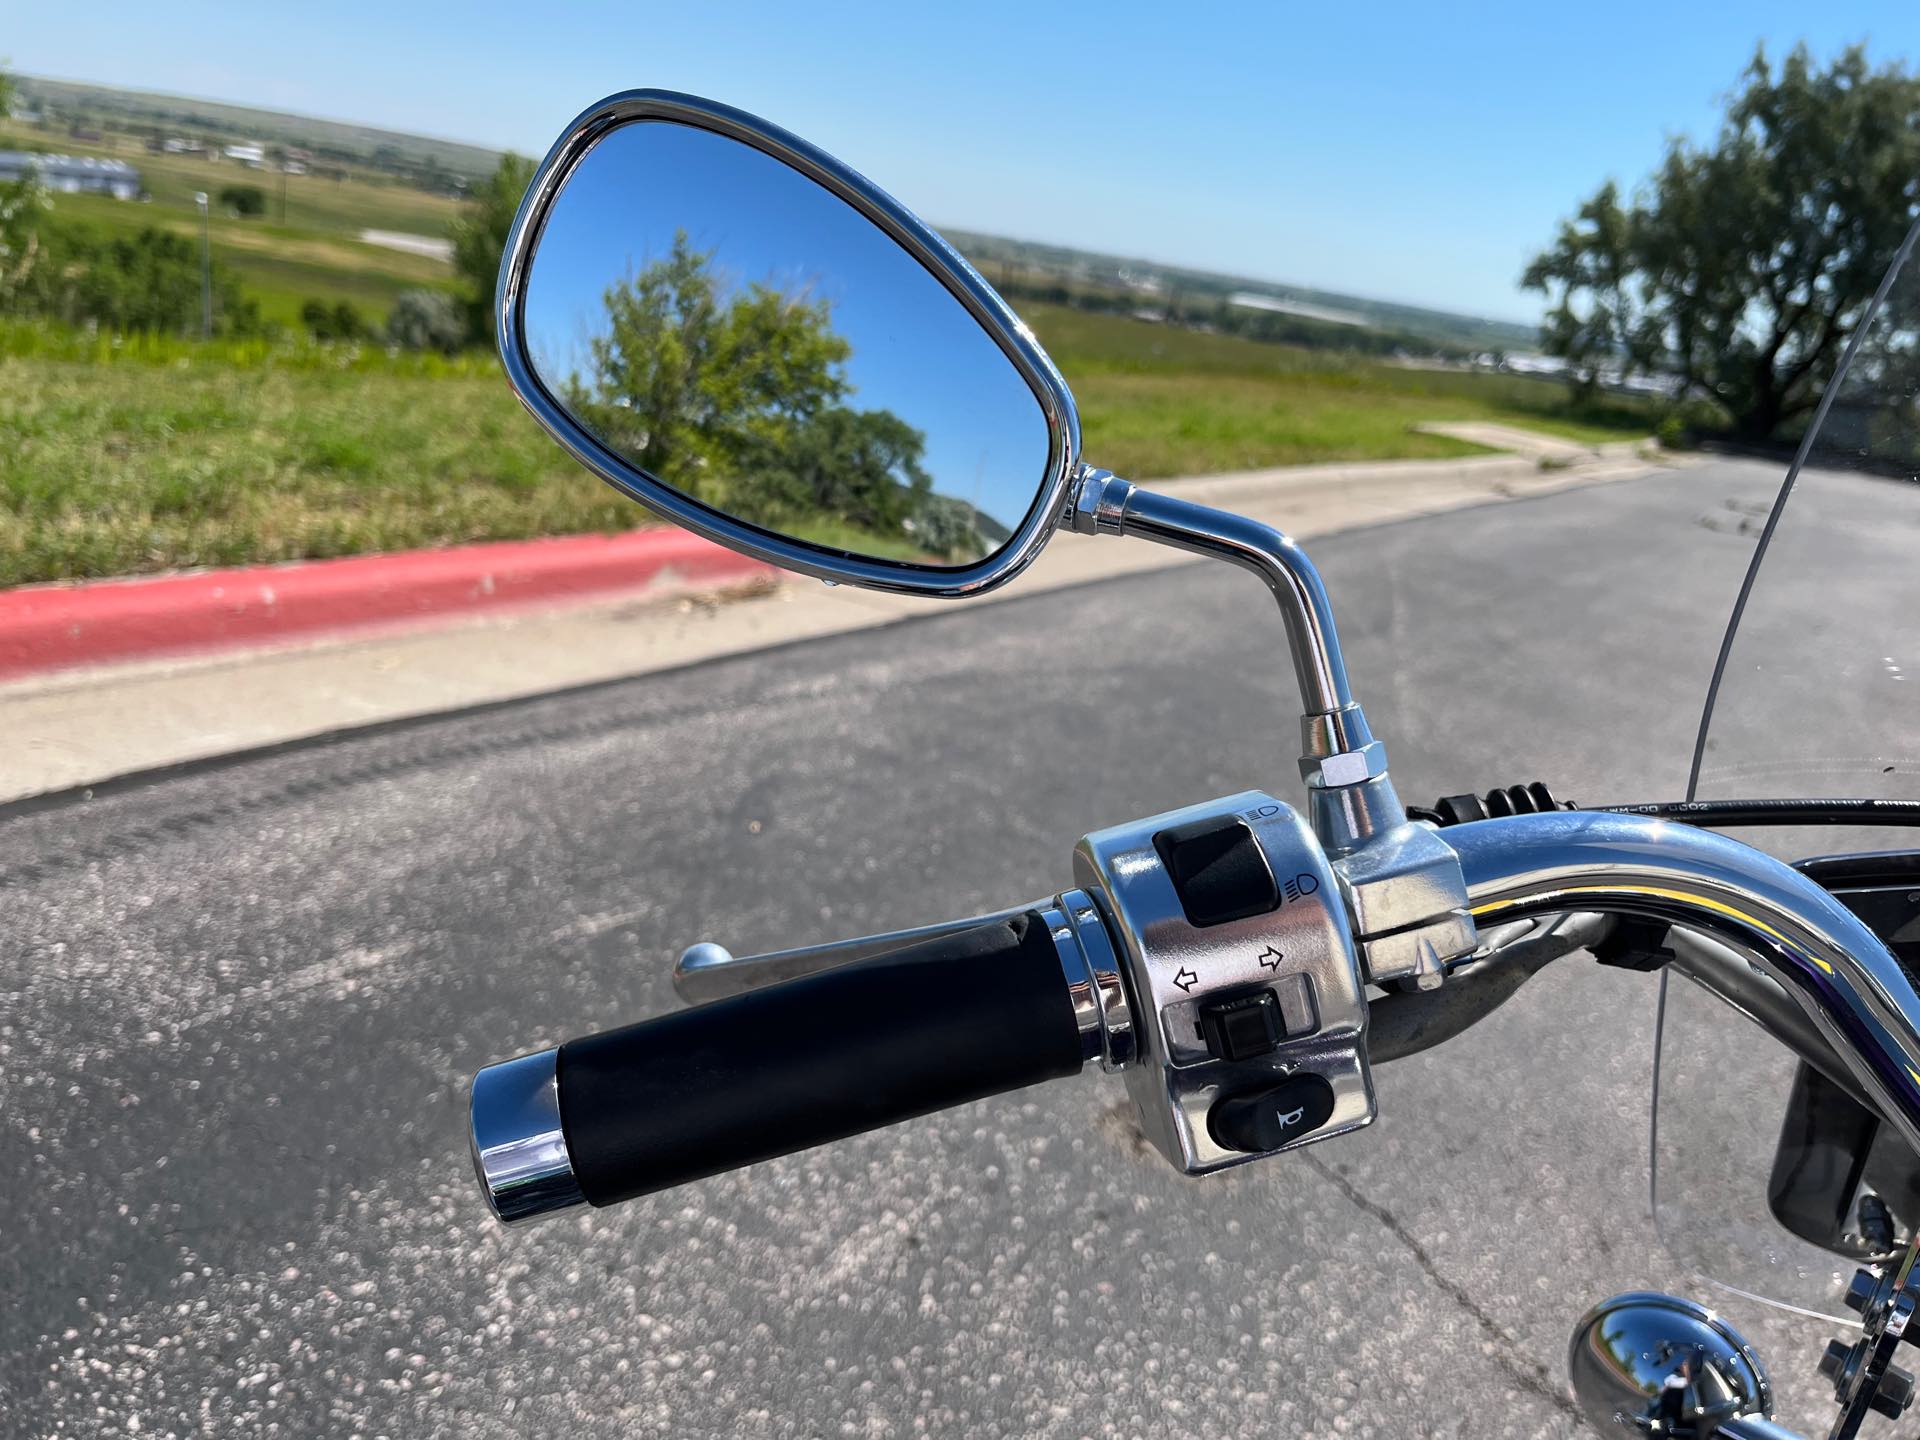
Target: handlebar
[[621, 1114], [1018, 998]]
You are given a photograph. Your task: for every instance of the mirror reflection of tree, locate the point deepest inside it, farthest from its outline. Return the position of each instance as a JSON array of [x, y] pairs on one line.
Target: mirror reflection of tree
[[738, 398]]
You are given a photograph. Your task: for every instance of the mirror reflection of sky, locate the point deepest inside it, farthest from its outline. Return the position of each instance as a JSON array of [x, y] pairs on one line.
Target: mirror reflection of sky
[[916, 350]]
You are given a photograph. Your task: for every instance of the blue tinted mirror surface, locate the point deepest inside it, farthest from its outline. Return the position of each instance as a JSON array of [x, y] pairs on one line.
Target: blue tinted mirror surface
[[743, 335]]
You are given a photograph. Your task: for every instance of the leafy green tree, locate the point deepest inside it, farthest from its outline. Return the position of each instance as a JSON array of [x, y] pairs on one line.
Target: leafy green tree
[[1591, 267], [734, 396], [860, 466], [480, 238], [1741, 269], [150, 281], [689, 386], [426, 320]]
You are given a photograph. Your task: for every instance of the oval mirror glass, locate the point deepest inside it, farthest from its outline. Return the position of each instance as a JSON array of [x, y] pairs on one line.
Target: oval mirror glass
[[744, 336]]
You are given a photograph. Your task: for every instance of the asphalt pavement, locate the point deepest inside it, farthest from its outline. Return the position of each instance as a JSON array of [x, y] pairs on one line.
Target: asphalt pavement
[[239, 1007]]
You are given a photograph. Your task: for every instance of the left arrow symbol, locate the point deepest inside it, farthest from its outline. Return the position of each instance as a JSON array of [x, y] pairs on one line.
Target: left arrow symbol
[[1186, 980]]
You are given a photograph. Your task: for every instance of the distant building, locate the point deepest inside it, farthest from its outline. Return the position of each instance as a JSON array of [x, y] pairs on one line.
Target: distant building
[[73, 174], [249, 154]]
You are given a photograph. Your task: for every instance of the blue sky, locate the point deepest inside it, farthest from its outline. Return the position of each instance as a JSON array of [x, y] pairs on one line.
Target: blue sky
[[1413, 152]]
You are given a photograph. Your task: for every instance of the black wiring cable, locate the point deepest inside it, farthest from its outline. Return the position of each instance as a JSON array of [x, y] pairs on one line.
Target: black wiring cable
[[1536, 798], [1714, 813]]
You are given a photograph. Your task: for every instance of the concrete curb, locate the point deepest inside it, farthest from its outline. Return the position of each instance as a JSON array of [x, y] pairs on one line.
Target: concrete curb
[[82, 725], [58, 627], [46, 630]]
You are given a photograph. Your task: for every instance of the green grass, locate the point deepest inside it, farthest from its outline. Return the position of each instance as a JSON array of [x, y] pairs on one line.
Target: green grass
[[134, 467], [125, 456], [280, 267], [1156, 401]]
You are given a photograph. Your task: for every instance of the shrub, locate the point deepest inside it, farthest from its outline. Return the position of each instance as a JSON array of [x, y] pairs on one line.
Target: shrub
[[149, 283], [1683, 424], [338, 321], [426, 320], [244, 200]]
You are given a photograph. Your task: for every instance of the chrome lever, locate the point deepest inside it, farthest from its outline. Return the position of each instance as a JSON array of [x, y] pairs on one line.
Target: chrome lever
[[708, 971]]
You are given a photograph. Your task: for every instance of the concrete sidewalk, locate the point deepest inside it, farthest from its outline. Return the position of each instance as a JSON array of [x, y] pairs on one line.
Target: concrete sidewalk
[[81, 728]]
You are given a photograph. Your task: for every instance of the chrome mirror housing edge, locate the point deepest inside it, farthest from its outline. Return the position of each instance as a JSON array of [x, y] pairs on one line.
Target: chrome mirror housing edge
[[894, 220]]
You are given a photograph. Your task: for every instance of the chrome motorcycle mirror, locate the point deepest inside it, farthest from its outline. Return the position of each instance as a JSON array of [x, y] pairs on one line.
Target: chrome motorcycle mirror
[[1649, 1364], [743, 334]]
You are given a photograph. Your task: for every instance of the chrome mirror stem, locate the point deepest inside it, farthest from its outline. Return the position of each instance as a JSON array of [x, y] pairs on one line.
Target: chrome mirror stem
[[1333, 728], [1402, 884]]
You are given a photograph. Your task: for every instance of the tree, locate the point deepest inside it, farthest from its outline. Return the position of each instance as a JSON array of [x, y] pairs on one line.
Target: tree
[[733, 395], [860, 466], [244, 200], [1742, 269], [22, 203], [690, 386], [949, 527], [480, 238], [149, 281], [426, 320], [1591, 259]]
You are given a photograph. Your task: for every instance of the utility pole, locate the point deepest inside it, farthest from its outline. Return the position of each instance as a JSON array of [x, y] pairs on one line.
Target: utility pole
[[206, 268]]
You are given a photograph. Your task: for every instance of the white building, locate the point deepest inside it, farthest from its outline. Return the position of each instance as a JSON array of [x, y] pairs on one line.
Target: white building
[[73, 174], [249, 154]]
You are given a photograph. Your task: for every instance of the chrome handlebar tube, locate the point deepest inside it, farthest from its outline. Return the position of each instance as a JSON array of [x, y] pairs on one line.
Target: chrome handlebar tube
[[1829, 965]]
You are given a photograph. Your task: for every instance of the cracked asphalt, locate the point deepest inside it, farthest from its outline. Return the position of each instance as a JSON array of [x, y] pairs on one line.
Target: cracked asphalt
[[239, 1006]]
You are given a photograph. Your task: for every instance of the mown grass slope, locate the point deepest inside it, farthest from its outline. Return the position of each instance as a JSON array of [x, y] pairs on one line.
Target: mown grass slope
[[123, 458], [1156, 401]]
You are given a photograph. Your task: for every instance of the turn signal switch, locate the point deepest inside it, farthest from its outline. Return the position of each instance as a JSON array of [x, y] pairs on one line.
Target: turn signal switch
[[1240, 959]]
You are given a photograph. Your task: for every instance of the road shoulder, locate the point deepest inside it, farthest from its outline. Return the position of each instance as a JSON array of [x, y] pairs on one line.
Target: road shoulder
[[80, 728]]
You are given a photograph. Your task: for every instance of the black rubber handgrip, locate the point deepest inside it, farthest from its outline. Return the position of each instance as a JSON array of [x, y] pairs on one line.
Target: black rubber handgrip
[[816, 1059]]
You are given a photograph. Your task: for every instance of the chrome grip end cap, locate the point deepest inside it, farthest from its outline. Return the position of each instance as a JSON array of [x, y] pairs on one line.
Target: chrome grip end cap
[[519, 1148]]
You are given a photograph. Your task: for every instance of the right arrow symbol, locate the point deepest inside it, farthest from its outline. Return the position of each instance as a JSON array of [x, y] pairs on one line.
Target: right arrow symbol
[[1270, 958]]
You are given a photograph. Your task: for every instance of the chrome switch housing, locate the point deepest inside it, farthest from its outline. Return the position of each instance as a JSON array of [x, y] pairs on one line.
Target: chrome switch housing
[[1302, 950]]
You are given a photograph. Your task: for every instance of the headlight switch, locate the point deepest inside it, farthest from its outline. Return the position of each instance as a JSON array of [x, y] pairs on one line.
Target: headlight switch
[[1241, 963]]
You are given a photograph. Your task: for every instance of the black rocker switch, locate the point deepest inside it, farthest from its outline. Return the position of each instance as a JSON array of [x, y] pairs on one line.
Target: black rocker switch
[[1218, 870], [1243, 1027], [1267, 1119]]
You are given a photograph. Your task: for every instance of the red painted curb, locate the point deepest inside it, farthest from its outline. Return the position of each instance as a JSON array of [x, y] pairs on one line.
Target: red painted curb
[[51, 627]]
